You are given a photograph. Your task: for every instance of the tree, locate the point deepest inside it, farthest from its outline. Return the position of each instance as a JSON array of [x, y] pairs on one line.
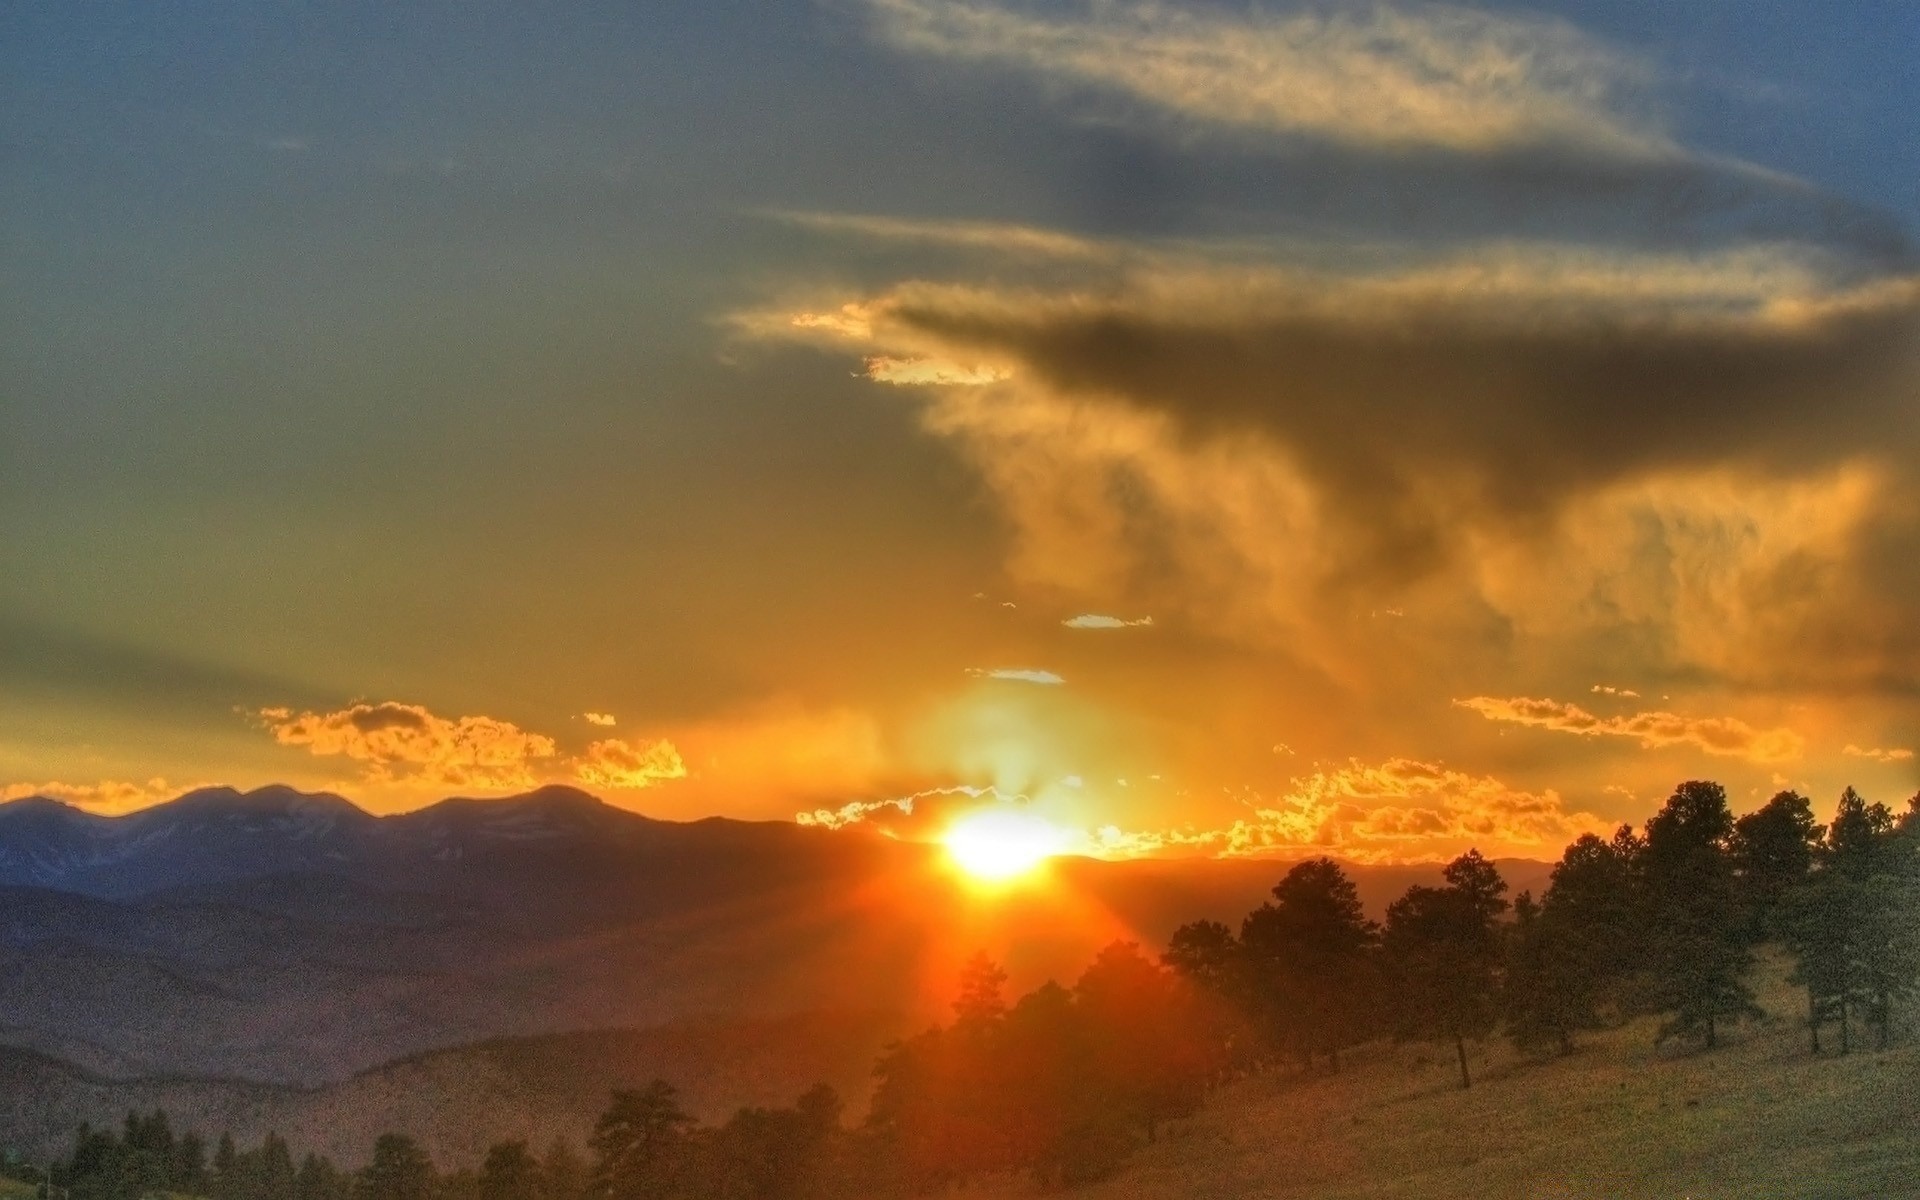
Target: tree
[[319, 1179], [1145, 1048], [978, 1000], [1309, 957], [1443, 951], [275, 1172], [1699, 954], [227, 1183], [563, 1175], [639, 1143], [1773, 850], [399, 1170], [1852, 925], [509, 1172], [1542, 998], [1215, 966]]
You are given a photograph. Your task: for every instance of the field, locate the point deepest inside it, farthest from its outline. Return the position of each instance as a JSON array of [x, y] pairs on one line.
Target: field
[[1758, 1117]]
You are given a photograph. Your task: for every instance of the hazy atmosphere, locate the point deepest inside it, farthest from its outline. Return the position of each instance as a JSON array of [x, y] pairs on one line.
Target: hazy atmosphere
[[1282, 599], [1368, 428]]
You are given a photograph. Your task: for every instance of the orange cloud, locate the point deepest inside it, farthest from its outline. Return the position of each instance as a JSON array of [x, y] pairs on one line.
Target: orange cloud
[[930, 372], [406, 743], [111, 797], [1878, 755], [614, 763], [1400, 810], [598, 718], [1725, 736]]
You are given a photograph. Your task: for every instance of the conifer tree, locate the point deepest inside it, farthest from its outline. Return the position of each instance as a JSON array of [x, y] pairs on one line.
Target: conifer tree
[[1699, 954], [1444, 956], [1309, 953]]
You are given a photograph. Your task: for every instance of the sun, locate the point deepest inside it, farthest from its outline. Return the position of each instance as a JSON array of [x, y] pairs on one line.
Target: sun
[[998, 844]]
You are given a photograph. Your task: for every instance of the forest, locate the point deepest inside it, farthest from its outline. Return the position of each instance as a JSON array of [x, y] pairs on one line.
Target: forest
[[1063, 1083]]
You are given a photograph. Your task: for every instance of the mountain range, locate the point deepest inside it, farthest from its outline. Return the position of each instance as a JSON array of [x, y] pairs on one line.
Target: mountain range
[[272, 952]]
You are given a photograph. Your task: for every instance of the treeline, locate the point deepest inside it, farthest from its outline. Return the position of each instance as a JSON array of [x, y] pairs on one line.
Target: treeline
[[1066, 1081]]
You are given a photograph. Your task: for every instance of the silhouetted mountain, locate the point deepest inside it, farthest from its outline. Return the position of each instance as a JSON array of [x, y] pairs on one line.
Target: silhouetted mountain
[[294, 939]]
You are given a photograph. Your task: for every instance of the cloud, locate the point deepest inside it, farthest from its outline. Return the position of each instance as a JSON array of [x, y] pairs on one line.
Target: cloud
[[109, 797], [1878, 755], [1601, 689], [1725, 736], [930, 372], [1554, 433], [1378, 76], [1398, 810], [615, 763], [597, 718], [1101, 621], [990, 236], [406, 743], [1017, 675], [919, 811]]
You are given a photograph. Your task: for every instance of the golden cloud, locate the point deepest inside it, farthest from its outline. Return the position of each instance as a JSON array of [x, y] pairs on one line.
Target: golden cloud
[[109, 797], [930, 372], [1399, 810], [1876, 754], [1725, 736], [406, 743], [615, 763]]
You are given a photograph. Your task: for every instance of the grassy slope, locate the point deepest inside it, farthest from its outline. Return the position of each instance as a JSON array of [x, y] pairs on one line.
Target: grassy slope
[[1759, 1117]]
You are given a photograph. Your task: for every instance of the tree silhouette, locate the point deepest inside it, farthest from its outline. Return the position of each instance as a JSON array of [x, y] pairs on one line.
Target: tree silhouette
[[1773, 851], [1308, 953], [1699, 955], [1852, 925], [639, 1144], [563, 1174], [509, 1172], [399, 1170], [1444, 955]]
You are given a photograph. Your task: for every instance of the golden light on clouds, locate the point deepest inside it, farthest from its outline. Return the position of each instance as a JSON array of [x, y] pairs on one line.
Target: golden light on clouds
[[406, 743], [1725, 736]]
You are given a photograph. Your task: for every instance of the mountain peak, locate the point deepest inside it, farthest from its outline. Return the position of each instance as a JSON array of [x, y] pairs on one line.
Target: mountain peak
[[274, 799]]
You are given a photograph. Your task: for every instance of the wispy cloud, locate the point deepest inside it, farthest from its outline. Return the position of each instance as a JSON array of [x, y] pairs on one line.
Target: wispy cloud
[[1391, 77], [109, 797], [931, 372], [1016, 675], [1876, 754], [1601, 689], [1102, 621], [1725, 736], [990, 236], [597, 718]]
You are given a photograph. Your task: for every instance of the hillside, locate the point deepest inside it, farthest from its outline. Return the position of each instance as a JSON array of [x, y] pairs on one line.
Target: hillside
[[1757, 1118], [457, 1102]]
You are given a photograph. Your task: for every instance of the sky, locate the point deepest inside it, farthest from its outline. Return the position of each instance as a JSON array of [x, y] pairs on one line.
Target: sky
[[1219, 428]]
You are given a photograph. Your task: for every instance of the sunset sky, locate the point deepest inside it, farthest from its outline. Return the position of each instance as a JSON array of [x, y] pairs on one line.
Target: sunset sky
[[1224, 428]]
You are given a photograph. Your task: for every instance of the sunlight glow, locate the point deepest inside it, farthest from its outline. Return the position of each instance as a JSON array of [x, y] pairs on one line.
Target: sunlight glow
[[995, 844]]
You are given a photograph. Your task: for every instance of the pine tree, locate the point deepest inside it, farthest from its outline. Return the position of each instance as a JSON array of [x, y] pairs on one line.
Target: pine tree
[[509, 1172], [1309, 954], [399, 1170], [1699, 954], [1444, 956], [640, 1143]]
